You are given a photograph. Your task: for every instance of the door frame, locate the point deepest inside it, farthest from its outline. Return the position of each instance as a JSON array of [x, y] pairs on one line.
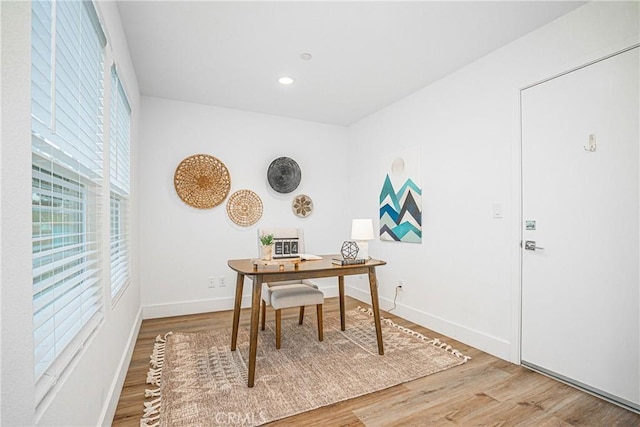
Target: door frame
[[517, 189]]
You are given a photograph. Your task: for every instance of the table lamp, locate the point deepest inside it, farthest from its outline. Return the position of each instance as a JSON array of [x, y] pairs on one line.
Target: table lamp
[[361, 231]]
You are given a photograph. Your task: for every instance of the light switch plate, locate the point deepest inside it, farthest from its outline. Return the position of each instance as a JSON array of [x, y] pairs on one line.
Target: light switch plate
[[497, 210]]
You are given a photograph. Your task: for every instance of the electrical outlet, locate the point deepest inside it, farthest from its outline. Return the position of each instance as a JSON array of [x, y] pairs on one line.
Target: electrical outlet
[[211, 283], [223, 282]]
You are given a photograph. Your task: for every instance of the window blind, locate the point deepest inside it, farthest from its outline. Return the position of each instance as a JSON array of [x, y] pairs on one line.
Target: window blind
[[67, 102], [41, 64], [68, 83], [120, 170], [119, 178]]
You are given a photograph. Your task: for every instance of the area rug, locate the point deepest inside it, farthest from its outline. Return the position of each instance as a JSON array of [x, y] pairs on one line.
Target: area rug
[[201, 382]]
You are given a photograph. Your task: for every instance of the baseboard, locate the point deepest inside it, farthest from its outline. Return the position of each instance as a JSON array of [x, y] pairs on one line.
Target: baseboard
[[492, 345], [183, 308], [109, 410]]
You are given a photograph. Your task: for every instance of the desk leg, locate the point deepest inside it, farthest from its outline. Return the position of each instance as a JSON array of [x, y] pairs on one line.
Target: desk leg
[[236, 311], [376, 308], [341, 294], [253, 334]]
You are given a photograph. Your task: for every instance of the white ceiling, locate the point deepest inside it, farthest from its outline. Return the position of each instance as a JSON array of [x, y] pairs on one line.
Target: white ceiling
[[365, 55]]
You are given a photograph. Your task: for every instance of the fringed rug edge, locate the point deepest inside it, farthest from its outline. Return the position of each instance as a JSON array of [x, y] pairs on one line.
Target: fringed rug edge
[[151, 416], [435, 342]]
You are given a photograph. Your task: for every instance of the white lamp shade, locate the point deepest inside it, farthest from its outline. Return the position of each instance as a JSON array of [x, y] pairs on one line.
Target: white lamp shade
[[362, 229]]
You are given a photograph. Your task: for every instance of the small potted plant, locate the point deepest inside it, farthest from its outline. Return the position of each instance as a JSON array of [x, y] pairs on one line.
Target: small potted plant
[[267, 246]]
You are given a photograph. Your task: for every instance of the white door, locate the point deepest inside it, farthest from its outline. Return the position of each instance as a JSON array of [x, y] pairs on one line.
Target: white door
[[580, 204]]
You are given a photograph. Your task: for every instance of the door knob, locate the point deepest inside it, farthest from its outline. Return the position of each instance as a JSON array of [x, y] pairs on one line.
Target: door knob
[[530, 245]]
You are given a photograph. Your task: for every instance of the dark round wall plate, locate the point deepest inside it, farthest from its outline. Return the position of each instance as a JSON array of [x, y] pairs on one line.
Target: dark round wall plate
[[284, 175]]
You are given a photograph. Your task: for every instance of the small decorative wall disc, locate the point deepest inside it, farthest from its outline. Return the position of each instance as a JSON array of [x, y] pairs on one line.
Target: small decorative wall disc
[[284, 175], [202, 181], [244, 207], [302, 205]]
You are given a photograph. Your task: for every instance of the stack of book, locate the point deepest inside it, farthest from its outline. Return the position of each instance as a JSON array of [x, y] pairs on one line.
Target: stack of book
[[348, 261]]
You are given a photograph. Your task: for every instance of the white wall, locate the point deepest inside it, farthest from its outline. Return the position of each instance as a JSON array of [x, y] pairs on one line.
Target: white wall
[[87, 396], [182, 246], [463, 280], [16, 378]]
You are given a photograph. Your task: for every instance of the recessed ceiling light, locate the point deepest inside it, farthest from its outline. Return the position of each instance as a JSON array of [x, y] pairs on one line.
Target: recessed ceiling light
[[305, 56], [286, 80]]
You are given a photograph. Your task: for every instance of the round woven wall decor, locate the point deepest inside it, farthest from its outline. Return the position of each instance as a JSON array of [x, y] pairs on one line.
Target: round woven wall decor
[[202, 181], [284, 175], [302, 205], [244, 207]]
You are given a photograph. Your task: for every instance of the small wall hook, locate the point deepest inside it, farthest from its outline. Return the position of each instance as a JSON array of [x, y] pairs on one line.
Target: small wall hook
[[592, 144]]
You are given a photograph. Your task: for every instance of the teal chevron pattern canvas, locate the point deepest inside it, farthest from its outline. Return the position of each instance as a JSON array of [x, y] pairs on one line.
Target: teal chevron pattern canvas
[[401, 204]]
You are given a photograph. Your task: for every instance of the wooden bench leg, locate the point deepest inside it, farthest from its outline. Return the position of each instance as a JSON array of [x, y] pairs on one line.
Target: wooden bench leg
[[301, 317], [278, 328], [320, 326], [263, 311]]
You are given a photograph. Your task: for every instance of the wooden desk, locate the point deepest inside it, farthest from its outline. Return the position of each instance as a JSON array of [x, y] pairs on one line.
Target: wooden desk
[[303, 270]]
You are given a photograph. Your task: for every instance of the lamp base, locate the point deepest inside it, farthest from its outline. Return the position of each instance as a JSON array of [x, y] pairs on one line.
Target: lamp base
[[363, 249]]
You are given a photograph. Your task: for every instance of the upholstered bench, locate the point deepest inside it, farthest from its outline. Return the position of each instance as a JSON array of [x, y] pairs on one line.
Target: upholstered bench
[[267, 288], [296, 296]]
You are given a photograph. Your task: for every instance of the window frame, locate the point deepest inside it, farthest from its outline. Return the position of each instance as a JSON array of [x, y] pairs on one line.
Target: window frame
[[120, 184]]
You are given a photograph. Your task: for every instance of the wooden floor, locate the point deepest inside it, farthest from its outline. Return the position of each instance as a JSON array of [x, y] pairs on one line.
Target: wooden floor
[[486, 391]]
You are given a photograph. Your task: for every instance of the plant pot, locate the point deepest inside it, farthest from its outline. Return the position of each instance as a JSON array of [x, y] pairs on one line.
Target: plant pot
[[267, 252]]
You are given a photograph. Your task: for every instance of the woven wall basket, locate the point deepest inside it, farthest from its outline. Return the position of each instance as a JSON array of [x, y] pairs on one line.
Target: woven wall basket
[[244, 207], [302, 205], [202, 181]]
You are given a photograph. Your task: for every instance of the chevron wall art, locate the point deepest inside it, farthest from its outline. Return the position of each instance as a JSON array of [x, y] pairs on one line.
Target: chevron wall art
[[401, 198]]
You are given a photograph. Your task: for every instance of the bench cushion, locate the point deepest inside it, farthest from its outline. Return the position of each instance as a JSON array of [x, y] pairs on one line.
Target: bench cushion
[[267, 288], [295, 296]]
